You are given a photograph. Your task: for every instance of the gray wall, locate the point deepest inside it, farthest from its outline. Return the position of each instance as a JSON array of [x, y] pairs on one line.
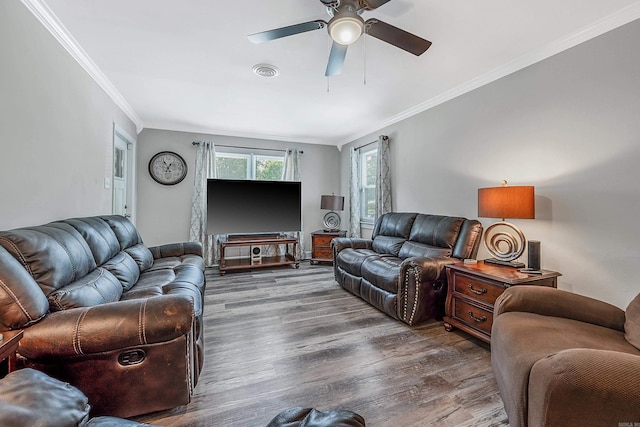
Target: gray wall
[[56, 127], [569, 125], [164, 211]]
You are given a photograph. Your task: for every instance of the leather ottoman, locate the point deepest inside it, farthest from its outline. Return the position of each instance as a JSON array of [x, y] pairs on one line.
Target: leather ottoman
[[311, 417]]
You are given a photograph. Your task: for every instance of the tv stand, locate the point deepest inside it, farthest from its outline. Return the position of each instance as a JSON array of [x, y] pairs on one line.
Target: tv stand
[[258, 262]]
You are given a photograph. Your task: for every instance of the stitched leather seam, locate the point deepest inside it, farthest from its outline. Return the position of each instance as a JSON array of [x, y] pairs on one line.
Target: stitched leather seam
[[23, 260], [142, 333], [415, 301], [77, 347], [15, 299]]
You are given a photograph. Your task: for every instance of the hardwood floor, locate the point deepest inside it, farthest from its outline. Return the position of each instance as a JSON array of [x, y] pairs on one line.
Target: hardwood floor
[[285, 337]]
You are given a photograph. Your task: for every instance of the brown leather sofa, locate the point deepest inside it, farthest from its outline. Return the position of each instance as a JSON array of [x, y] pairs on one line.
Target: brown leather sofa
[[401, 269], [563, 359], [101, 311]]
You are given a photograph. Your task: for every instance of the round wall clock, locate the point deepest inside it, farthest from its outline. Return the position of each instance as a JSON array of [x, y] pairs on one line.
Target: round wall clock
[[167, 168]]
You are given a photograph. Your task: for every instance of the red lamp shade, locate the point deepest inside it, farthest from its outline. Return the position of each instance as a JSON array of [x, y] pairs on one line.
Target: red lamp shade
[[516, 202]]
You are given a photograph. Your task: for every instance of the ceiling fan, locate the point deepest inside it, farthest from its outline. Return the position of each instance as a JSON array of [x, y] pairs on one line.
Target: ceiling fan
[[345, 28]]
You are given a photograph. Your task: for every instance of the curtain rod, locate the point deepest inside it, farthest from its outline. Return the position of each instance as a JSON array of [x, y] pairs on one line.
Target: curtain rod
[[247, 148], [362, 146]]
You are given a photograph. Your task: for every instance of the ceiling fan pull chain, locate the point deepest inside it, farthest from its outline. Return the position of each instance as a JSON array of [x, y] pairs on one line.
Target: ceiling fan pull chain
[[365, 61]]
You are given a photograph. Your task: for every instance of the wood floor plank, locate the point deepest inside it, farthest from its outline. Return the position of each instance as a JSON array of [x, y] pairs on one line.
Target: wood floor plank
[[284, 337]]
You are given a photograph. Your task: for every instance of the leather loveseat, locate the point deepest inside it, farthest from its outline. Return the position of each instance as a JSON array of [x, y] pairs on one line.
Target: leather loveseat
[[401, 269], [564, 359], [101, 311]]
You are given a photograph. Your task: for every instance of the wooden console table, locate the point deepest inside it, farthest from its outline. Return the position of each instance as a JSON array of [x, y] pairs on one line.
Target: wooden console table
[[254, 261]]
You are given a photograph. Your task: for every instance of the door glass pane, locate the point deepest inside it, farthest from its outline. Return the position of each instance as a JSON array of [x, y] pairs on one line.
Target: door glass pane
[[118, 163]]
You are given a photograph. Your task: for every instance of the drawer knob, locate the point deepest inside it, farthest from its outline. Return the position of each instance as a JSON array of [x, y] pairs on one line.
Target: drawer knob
[[475, 291], [477, 319]]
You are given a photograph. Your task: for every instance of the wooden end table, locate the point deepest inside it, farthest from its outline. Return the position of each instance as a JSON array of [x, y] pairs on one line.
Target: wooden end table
[[9, 347], [474, 288], [321, 250]]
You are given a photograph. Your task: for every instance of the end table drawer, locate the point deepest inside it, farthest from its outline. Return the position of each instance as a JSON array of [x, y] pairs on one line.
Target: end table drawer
[[323, 253], [476, 289], [323, 240], [473, 316]]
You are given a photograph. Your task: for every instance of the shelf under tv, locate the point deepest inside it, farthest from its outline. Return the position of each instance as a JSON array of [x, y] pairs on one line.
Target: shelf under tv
[[288, 258]]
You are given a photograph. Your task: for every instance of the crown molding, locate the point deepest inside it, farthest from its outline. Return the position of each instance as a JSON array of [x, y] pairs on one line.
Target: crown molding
[[208, 131], [602, 26], [47, 18]]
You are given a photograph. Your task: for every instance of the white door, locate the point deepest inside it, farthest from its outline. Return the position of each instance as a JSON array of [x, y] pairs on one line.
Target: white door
[[122, 174]]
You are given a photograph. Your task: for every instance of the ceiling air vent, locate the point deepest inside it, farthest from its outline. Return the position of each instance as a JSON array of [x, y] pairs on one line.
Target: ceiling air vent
[[266, 70]]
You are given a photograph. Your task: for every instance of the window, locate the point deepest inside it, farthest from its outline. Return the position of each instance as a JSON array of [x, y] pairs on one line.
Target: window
[[368, 169], [249, 166]]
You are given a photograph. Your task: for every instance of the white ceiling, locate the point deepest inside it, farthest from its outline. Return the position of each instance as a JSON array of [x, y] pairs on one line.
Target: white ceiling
[[186, 65]]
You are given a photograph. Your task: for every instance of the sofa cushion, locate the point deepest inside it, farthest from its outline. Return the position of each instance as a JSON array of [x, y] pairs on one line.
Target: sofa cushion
[[141, 255], [388, 244], [394, 224], [97, 287], [124, 230], [21, 299], [632, 322], [54, 254], [101, 239], [124, 268], [32, 398], [413, 249], [436, 230], [383, 272], [350, 260]]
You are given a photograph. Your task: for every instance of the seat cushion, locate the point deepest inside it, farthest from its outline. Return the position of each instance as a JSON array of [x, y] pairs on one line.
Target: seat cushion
[[383, 272], [97, 287], [350, 260]]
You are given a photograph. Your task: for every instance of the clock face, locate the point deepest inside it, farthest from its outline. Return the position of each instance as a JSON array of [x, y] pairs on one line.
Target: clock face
[[167, 168]]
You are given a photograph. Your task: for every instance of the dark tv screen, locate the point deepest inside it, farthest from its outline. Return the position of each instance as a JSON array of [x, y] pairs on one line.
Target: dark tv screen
[[250, 207]]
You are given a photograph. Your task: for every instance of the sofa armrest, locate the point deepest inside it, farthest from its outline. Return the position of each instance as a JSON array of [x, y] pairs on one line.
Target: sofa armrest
[[176, 250], [585, 387], [109, 327], [558, 303], [427, 269], [340, 243]]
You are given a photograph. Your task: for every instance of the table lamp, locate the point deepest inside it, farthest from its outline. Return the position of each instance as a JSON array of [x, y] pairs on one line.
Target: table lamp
[[517, 202], [332, 203]]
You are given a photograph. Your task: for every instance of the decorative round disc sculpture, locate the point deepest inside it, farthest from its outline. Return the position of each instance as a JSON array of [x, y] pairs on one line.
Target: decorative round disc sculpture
[[504, 245], [331, 221]]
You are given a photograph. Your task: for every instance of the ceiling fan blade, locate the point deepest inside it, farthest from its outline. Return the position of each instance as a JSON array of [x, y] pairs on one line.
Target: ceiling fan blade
[[336, 59], [372, 4], [397, 37], [291, 30]]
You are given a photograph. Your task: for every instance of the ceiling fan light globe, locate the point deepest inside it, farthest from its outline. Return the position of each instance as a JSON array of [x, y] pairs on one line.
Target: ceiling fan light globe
[[346, 30]]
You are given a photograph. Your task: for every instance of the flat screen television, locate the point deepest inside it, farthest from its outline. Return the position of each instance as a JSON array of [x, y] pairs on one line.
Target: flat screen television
[[253, 207]]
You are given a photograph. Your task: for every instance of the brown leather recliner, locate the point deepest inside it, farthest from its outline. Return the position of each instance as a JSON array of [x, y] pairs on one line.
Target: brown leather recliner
[[563, 359], [120, 321], [401, 270]]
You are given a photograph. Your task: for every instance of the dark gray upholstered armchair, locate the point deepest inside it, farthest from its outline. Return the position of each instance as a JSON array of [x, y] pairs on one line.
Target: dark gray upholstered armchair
[[401, 270], [101, 311]]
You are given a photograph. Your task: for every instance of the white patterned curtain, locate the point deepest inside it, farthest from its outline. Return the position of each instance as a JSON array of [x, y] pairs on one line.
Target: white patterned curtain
[[354, 194], [291, 172], [205, 168], [383, 177]]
